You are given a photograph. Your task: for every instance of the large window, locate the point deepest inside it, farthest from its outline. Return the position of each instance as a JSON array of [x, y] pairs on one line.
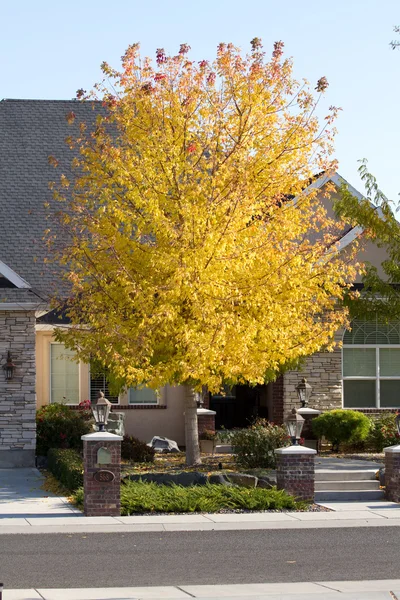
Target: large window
[[64, 375], [144, 396], [99, 383], [371, 365]]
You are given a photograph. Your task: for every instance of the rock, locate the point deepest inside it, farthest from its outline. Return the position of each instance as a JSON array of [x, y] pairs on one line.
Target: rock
[[186, 479], [164, 445], [381, 476], [219, 479], [116, 423], [41, 462], [265, 484], [249, 481]]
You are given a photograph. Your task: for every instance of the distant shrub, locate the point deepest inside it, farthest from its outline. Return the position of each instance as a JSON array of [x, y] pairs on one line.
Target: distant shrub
[[254, 447], [66, 466], [135, 450], [342, 426], [208, 434], [59, 426], [384, 432]]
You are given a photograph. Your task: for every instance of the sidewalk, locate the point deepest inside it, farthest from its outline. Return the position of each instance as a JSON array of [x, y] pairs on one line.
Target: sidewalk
[[343, 590], [26, 508]]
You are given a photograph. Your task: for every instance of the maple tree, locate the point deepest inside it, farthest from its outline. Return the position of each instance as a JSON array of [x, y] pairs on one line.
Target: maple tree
[[198, 254]]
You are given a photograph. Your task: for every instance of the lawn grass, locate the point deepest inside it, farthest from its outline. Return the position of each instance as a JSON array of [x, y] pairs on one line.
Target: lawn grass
[[140, 497]]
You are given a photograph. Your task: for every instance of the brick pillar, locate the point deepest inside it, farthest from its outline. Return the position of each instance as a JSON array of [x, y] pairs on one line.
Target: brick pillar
[[102, 474], [295, 471], [205, 419], [392, 473]]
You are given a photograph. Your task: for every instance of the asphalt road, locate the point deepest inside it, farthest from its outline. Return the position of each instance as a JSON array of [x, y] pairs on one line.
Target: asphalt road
[[178, 558]]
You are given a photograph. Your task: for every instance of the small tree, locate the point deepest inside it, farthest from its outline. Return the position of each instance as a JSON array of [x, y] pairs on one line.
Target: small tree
[[197, 256]]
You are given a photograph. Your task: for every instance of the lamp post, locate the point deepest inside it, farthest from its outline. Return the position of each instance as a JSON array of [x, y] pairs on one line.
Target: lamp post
[[304, 391], [294, 424], [101, 410]]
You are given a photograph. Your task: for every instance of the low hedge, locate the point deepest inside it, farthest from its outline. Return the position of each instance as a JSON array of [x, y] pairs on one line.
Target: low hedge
[[136, 451], [140, 497], [67, 466]]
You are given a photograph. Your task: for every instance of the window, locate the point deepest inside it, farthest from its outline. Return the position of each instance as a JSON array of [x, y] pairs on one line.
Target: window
[[64, 375], [371, 365], [142, 396], [98, 382]]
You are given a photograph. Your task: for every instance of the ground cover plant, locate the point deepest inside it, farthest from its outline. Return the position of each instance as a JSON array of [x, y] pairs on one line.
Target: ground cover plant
[[139, 497]]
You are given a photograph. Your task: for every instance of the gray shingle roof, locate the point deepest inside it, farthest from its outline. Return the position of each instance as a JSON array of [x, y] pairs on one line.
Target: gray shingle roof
[[31, 131]]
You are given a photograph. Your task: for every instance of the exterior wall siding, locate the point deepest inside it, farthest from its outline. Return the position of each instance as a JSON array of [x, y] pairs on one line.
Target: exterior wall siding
[[323, 372], [18, 398]]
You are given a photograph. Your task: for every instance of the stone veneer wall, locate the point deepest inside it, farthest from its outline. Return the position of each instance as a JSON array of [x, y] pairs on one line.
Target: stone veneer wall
[[17, 397], [323, 372]]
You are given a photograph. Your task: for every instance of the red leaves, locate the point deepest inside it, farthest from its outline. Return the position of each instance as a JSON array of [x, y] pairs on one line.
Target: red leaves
[[191, 148], [322, 84], [278, 50]]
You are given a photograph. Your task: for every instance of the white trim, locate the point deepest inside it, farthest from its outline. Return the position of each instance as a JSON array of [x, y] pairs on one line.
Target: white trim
[[12, 276], [295, 450], [338, 181], [102, 436], [394, 449], [20, 306]]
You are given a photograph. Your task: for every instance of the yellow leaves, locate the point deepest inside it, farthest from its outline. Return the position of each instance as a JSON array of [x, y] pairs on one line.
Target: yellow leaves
[[190, 258]]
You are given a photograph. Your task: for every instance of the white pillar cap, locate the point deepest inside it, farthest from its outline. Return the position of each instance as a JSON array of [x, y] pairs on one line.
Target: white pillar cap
[[205, 411], [393, 449], [295, 450], [102, 436]]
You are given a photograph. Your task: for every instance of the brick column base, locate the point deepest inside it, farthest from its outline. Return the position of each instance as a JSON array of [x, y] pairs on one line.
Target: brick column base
[[102, 474], [392, 473], [205, 420], [295, 471]]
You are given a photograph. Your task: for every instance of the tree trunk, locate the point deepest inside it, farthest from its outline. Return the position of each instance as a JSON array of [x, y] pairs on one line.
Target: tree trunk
[[191, 430]]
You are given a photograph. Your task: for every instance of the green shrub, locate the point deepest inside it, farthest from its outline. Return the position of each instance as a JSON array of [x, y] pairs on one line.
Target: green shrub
[[59, 426], [135, 450], [384, 432], [342, 426], [254, 447], [66, 466], [140, 497]]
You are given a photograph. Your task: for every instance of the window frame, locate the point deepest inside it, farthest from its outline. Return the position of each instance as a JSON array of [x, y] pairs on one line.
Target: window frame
[[53, 343], [377, 377], [156, 403]]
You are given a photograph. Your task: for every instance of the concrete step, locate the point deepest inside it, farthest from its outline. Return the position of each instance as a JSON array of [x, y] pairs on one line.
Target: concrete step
[[349, 496], [345, 475], [348, 485]]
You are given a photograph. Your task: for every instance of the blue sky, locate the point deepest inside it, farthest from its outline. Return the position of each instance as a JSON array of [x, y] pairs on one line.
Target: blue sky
[[50, 49]]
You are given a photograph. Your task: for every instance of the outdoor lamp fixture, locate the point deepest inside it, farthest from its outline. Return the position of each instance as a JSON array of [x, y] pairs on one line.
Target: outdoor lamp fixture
[[304, 390], [101, 410], [294, 424], [9, 367]]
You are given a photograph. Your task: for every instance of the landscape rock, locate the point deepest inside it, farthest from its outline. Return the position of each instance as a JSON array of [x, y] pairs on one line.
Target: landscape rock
[[249, 481], [185, 479], [219, 479], [163, 444], [382, 476], [265, 484]]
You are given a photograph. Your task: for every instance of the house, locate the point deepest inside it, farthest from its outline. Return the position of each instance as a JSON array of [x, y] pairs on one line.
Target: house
[[364, 374]]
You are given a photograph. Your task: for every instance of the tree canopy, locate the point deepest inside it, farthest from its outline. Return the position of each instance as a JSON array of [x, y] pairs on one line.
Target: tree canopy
[[198, 252]]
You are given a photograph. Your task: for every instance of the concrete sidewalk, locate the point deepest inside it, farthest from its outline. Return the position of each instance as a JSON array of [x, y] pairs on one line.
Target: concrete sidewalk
[[343, 590], [378, 514]]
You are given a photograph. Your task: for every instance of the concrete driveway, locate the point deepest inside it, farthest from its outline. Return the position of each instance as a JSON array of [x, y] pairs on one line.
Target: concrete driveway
[[22, 496]]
